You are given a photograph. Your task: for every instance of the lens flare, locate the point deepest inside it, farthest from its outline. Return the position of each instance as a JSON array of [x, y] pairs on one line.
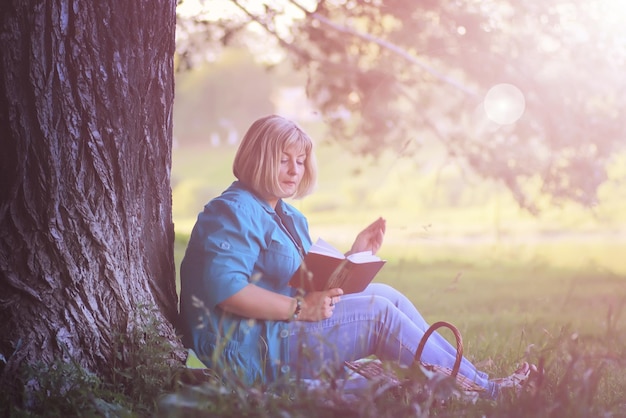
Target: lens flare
[[504, 104]]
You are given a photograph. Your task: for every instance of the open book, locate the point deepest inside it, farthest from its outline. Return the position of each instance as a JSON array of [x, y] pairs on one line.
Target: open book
[[325, 267]]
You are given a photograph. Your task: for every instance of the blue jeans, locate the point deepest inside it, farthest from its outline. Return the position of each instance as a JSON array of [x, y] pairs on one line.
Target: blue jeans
[[379, 321]]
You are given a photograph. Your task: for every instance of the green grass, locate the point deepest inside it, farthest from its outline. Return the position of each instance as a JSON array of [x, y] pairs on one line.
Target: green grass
[[508, 309]]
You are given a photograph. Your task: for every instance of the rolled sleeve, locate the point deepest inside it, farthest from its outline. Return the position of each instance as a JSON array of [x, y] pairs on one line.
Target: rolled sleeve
[[227, 245]]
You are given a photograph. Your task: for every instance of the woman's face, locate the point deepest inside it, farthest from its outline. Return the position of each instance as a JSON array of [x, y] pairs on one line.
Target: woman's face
[[290, 172]]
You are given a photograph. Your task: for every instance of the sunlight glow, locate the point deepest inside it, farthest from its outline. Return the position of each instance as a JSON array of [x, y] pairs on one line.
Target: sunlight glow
[[504, 104], [611, 12]]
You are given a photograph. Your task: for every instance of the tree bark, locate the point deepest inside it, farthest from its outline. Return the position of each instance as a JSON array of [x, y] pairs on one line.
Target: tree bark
[[86, 231]]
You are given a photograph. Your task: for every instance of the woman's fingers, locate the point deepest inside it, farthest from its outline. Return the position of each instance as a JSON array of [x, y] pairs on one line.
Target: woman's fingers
[[334, 295], [320, 305], [371, 238], [335, 291]]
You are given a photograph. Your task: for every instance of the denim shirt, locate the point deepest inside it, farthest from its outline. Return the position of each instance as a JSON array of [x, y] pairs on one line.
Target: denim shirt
[[240, 239]]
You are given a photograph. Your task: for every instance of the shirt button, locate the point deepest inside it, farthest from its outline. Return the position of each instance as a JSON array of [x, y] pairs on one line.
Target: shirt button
[[284, 368], [284, 333]]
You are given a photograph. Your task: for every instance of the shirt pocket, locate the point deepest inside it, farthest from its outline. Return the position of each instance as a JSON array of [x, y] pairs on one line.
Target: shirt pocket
[[277, 263]]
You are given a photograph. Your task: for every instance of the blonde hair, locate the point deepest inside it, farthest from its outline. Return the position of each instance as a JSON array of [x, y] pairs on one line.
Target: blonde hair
[[257, 160]]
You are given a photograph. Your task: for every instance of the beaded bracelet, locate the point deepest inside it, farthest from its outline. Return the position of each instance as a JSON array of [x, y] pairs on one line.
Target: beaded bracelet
[[298, 309]]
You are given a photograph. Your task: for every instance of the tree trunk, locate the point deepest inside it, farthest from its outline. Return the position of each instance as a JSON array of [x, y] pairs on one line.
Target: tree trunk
[[86, 232]]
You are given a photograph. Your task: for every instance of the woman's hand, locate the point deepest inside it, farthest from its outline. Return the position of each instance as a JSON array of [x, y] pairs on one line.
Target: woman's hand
[[371, 238], [259, 303], [317, 306]]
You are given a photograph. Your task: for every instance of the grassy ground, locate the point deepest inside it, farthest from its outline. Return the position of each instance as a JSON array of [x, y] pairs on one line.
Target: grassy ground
[[571, 320]]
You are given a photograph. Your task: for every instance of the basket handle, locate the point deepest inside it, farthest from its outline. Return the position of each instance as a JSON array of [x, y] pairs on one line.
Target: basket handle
[[459, 344]]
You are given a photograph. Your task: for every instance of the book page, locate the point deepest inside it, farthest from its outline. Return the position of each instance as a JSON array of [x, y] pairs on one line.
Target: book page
[[322, 247], [363, 257]]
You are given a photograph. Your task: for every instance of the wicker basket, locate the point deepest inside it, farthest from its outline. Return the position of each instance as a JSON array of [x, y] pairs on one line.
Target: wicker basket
[[376, 370]]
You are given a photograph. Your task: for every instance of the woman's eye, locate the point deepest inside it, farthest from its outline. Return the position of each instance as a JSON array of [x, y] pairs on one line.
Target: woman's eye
[[298, 161]]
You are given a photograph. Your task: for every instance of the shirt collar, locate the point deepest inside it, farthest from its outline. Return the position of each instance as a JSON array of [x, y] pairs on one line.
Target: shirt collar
[[280, 205]]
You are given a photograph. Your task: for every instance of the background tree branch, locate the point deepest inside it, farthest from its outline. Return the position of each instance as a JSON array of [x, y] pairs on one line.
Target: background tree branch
[[565, 60]]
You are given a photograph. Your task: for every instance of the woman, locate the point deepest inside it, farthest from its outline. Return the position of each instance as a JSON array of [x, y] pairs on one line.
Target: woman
[[239, 314]]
